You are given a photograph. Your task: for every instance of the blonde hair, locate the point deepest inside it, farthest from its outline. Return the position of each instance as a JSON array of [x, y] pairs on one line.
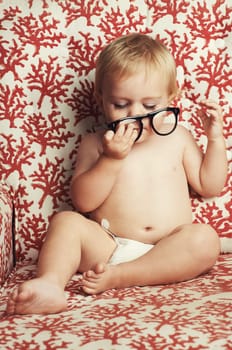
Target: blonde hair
[[123, 56]]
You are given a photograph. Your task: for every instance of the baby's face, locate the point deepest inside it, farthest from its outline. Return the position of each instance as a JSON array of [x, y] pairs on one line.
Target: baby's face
[[134, 95]]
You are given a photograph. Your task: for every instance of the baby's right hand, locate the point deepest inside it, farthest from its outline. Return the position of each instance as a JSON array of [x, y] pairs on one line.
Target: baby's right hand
[[118, 145]]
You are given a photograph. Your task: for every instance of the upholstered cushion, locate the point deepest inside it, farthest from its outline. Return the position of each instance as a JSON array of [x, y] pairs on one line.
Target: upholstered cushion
[[180, 316], [49, 50], [47, 61]]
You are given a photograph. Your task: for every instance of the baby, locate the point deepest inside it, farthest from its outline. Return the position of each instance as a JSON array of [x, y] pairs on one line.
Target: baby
[[130, 187]]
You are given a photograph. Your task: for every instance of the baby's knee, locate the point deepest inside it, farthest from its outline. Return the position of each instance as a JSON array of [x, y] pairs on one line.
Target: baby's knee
[[206, 243], [67, 219]]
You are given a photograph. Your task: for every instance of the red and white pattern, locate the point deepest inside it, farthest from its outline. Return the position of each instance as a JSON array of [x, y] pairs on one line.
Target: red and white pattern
[[48, 50]]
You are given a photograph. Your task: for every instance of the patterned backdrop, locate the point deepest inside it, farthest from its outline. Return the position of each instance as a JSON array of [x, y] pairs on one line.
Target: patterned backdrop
[[48, 50], [48, 53]]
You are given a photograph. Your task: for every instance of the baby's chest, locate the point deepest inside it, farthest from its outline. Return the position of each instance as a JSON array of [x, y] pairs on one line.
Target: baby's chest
[[155, 161], [149, 174]]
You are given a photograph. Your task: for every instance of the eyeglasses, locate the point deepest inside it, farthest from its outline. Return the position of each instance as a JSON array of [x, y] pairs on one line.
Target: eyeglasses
[[162, 121]]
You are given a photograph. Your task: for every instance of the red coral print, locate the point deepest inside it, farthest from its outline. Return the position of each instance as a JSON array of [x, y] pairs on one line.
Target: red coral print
[[210, 23], [48, 53], [9, 14], [12, 103], [80, 8], [11, 59], [164, 7], [48, 80], [115, 24], [180, 47], [6, 243], [45, 3], [83, 103], [51, 181], [213, 71], [34, 241], [47, 130], [38, 31], [22, 206], [14, 156], [83, 53]]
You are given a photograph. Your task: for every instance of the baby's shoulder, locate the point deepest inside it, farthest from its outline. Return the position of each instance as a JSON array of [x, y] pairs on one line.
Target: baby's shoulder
[[92, 138], [182, 129], [183, 133], [91, 141], [181, 138]]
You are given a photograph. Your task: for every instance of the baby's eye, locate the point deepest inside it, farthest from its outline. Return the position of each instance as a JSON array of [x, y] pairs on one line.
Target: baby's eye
[[120, 105], [150, 107]]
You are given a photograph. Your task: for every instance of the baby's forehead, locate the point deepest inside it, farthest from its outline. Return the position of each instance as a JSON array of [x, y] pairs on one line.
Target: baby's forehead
[[132, 71], [154, 80]]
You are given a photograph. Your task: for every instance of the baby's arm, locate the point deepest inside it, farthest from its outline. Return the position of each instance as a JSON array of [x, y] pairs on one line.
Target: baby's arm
[[207, 173], [96, 171]]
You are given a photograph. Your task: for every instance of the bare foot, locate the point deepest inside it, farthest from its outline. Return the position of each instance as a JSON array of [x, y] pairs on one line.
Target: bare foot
[[100, 279], [37, 296]]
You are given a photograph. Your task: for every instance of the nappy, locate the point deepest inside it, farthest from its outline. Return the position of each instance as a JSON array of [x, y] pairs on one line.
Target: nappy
[[126, 249]]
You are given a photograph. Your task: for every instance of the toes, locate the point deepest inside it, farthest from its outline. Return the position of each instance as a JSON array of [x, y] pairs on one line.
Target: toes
[[100, 268], [10, 307], [88, 290], [89, 287], [14, 295], [91, 280], [89, 274]]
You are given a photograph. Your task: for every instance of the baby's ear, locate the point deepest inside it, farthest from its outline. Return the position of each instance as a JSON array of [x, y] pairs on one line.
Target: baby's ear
[[174, 98], [98, 97]]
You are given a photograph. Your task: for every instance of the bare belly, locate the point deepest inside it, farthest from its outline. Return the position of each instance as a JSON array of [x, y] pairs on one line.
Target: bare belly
[[145, 224]]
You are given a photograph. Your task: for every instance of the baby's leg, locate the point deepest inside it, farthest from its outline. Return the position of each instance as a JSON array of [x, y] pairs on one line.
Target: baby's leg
[[187, 252], [73, 243]]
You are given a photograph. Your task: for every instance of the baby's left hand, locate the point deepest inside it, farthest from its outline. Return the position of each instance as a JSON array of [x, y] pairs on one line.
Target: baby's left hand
[[211, 117]]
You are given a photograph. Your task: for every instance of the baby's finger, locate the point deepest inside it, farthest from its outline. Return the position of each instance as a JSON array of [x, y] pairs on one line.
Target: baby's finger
[[211, 105], [208, 102], [131, 133], [109, 135], [211, 109], [120, 131]]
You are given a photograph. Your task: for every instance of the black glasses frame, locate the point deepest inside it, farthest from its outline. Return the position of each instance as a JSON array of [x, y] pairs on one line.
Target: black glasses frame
[[113, 125]]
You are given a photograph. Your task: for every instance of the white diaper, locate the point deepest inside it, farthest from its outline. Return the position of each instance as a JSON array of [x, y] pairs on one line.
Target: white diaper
[[127, 249]]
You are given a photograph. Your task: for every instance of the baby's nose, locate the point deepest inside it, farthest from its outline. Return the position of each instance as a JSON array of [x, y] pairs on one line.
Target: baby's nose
[[136, 110], [146, 122]]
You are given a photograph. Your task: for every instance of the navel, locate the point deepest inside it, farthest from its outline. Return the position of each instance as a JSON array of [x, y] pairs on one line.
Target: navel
[[148, 228]]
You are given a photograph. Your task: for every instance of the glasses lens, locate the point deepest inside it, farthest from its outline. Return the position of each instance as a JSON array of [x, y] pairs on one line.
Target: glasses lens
[[164, 122]]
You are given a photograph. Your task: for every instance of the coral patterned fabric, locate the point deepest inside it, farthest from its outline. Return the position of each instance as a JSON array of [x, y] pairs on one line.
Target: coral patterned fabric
[[48, 50]]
